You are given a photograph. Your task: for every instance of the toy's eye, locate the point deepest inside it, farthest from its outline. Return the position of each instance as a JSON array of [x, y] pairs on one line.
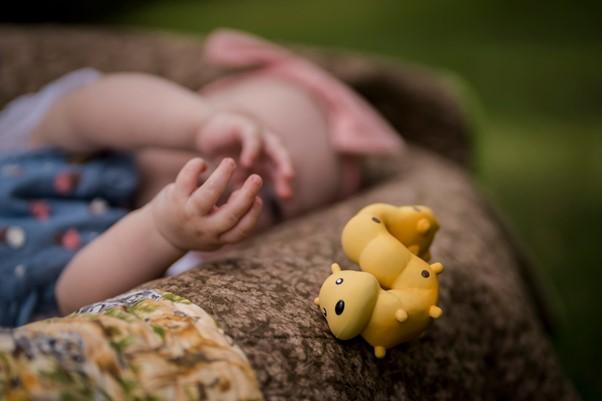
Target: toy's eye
[[339, 281], [339, 307], [425, 274], [376, 220], [324, 312]]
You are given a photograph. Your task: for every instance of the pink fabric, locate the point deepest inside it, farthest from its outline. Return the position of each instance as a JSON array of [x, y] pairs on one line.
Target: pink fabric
[[356, 128]]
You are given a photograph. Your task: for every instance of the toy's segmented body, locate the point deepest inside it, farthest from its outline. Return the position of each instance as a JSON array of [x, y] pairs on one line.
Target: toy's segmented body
[[412, 227], [399, 326], [385, 241]]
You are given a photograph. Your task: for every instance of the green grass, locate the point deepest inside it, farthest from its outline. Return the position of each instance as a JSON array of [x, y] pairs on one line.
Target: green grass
[[537, 71], [545, 175]]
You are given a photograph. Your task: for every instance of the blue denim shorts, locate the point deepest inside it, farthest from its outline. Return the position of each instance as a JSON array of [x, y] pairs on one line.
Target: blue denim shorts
[[51, 205]]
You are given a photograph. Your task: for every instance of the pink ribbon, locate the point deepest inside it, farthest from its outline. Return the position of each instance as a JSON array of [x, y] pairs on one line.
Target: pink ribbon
[[356, 128]]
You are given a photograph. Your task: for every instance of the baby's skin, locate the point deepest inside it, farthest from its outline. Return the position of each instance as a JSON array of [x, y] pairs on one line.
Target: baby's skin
[[286, 136], [176, 136]]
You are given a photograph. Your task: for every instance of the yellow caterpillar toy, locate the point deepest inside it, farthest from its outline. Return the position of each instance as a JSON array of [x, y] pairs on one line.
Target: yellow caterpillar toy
[[394, 298]]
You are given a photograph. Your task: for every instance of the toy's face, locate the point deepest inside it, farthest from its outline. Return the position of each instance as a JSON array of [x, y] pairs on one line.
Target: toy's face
[[346, 300]]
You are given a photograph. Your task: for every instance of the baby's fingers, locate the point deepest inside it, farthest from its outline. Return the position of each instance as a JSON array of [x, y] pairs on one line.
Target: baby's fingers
[[228, 129], [207, 195], [245, 226], [250, 143], [284, 171], [237, 206], [279, 154], [188, 177]]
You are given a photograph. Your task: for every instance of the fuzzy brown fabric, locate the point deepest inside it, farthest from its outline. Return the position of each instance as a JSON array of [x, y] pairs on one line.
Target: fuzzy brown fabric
[[489, 345]]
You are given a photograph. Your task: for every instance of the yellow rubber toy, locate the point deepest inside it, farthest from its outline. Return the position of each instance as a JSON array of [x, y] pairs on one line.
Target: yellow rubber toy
[[395, 297], [413, 226]]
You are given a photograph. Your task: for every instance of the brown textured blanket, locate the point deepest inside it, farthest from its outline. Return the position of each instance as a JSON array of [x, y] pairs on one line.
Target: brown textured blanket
[[489, 345]]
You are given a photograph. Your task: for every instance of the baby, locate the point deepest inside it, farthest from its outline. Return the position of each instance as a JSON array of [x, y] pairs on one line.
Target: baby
[[295, 131]]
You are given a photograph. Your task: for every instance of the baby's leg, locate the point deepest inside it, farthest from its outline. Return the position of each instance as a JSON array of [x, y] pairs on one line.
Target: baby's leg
[[124, 111]]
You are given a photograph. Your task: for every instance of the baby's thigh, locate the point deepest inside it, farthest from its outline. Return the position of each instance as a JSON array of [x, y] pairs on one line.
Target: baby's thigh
[[300, 121]]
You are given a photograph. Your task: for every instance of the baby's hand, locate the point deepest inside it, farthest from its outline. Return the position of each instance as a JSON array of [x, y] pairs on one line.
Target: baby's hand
[[188, 217], [260, 149]]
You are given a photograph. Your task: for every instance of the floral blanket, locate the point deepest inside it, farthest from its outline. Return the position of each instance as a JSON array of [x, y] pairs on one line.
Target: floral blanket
[[144, 345]]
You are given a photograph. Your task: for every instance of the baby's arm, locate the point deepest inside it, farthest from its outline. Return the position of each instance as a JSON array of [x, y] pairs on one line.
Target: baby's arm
[[135, 111], [124, 111], [141, 246]]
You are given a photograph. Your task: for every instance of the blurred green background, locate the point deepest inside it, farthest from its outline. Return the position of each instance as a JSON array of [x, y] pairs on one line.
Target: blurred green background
[[535, 70]]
